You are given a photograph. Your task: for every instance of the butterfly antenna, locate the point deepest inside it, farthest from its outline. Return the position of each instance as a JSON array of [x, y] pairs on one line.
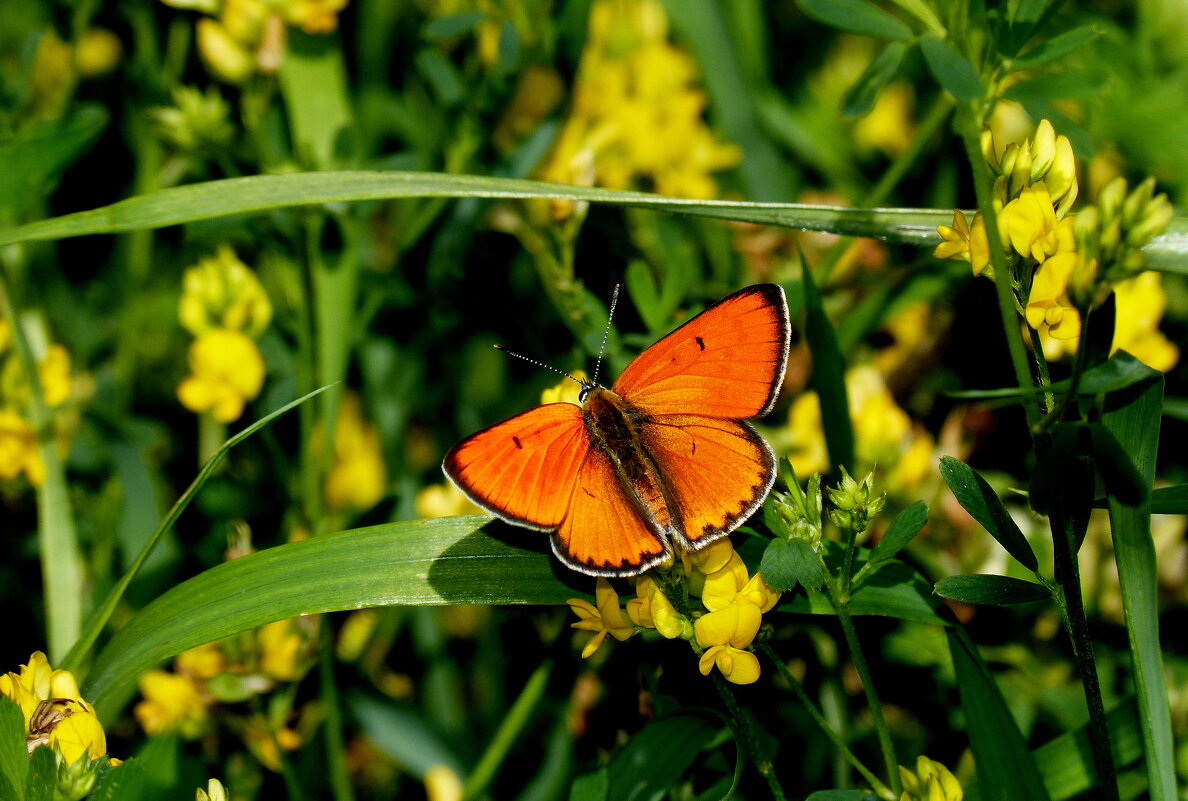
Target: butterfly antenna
[[539, 363], [605, 334]]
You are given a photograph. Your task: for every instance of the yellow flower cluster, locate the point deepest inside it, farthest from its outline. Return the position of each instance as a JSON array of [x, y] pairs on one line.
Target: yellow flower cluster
[[932, 781], [733, 601], [637, 110], [883, 433], [224, 306], [250, 664], [242, 37], [358, 478], [55, 713], [1075, 261], [19, 452]]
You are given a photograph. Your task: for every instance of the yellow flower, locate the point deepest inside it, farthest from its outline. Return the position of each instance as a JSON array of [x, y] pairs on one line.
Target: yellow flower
[[201, 662], [443, 500], [1048, 304], [266, 744], [172, 703], [637, 110], [214, 792], [1030, 224], [18, 449], [605, 618], [1141, 302], [228, 371], [723, 585], [54, 373], [737, 666], [538, 93], [963, 243], [358, 478], [284, 651], [714, 558], [442, 784], [724, 634], [221, 291], [888, 126], [55, 713], [651, 609], [228, 59], [932, 781]]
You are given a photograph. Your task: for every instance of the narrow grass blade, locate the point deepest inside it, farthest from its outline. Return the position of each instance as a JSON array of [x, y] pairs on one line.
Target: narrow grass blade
[[514, 723], [991, 590], [422, 562], [1132, 416], [829, 376], [103, 613], [1005, 768]]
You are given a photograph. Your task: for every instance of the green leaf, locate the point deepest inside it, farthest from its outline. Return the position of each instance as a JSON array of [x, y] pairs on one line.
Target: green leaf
[[42, 778], [786, 563], [829, 376], [895, 590], [1067, 759], [842, 795], [32, 162], [903, 528], [100, 617], [658, 755], [1176, 408], [128, 781], [1005, 768], [452, 25], [591, 786], [881, 71], [1170, 500], [1120, 371], [856, 16], [991, 590], [403, 735], [1056, 47], [1057, 85], [951, 69], [977, 497], [423, 562], [1121, 478], [14, 757], [1133, 417]]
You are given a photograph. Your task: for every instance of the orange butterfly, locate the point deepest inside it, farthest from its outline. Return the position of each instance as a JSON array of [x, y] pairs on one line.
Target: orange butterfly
[[664, 457]]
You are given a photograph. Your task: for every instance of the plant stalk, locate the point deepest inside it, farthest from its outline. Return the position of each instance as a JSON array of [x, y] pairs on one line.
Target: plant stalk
[[747, 739]]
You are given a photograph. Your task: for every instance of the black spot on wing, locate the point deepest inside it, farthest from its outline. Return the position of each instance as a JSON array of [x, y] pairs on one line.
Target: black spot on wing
[[592, 495], [700, 342], [516, 440]]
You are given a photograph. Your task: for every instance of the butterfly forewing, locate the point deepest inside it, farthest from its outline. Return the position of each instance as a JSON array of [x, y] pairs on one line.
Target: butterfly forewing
[[716, 473], [524, 469], [727, 362]]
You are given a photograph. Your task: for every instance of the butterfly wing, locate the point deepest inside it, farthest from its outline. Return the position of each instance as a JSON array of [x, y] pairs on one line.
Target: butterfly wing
[[604, 533], [524, 469], [716, 473], [727, 362], [539, 470]]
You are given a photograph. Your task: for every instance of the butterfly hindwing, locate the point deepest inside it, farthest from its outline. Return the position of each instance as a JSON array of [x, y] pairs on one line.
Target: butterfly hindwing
[[524, 469], [727, 362], [603, 532], [716, 473]]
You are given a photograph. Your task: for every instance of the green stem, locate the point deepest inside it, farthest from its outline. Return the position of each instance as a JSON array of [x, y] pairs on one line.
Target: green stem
[[872, 699], [1067, 527], [340, 780], [747, 739], [875, 783], [61, 561], [1074, 379], [513, 724], [970, 129], [211, 436]]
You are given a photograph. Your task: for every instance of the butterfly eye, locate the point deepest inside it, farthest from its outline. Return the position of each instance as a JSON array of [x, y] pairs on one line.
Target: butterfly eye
[[585, 392]]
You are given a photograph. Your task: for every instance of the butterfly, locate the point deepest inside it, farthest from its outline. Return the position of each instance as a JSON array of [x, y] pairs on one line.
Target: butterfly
[[662, 459]]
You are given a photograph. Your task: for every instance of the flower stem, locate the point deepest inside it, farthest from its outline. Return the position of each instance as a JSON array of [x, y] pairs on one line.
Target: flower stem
[[518, 717], [747, 739], [970, 130], [1067, 527], [872, 699], [876, 784], [61, 561]]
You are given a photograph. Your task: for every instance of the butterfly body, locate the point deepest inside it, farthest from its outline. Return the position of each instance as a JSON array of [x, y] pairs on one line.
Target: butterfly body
[[663, 459]]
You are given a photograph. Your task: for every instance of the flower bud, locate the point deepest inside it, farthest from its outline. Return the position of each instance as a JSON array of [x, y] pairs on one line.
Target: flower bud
[[1043, 150]]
